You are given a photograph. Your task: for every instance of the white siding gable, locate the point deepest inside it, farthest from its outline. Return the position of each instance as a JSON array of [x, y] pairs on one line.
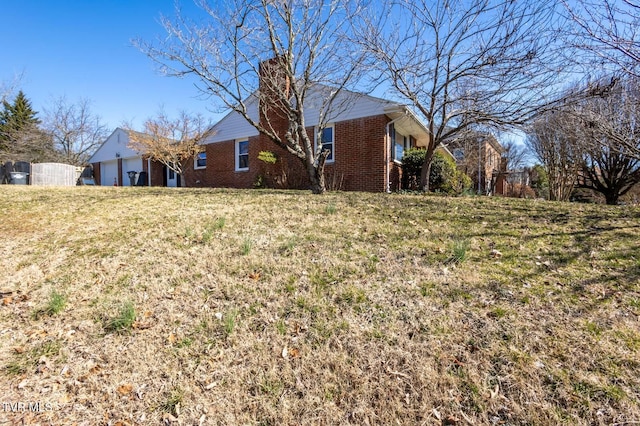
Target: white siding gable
[[233, 126], [115, 146], [347, 106]]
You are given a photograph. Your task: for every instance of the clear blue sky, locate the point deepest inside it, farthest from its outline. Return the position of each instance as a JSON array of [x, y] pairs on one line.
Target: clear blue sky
[[82, 49]]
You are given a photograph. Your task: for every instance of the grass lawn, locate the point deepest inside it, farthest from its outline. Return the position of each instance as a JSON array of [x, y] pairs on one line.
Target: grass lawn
[[125, 306]]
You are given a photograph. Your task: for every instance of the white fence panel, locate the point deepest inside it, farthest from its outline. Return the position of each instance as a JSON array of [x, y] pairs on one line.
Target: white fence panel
[[53, 174]]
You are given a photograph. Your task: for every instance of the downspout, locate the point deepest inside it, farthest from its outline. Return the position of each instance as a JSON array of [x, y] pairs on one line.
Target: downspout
[[387, 154]]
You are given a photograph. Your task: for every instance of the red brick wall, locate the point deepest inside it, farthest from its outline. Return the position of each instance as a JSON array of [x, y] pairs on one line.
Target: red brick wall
[[156, 174], [360, 154], [119, 171], [221, 167], [359, 165], [96, 173]]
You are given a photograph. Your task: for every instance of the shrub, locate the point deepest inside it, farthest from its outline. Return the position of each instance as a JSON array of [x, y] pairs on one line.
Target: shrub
[[444, 176], [411, 167], [540, 181]]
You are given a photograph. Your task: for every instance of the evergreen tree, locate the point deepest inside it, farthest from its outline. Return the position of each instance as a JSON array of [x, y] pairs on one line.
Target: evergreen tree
[[20, 135], [19, 115]]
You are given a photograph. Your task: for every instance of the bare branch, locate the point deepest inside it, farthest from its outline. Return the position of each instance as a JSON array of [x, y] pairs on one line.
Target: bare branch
[[467, 64], [75, 130], [172, 142], [607, 32], [300, 44]]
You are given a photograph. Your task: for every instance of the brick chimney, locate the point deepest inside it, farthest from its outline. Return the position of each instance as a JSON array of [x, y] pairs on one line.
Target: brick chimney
[[275, 92], [274, 88]]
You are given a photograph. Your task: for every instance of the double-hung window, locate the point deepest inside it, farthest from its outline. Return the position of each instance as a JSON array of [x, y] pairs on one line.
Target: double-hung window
[[399, 143], [327, 139], [242, 155], [200, 160]]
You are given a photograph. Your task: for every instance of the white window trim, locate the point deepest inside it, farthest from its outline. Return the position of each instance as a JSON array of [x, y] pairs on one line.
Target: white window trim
[[333, 132], [405, 138], [237, 155], [195, 161]]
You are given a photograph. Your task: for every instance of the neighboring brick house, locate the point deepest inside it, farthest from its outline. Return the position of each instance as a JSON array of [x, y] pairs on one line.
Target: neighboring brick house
[[480, 157]]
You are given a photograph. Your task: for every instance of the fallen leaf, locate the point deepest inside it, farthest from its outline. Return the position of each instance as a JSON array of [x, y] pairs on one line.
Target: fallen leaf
[[254, 276], [125, 389], [168, 418], [139, 325], [294, 352], [172, 338], [451, 420], [494, 392], [140, 391], [64, 399], [496, 254], [7, 300], [436, 414], [18, 349]]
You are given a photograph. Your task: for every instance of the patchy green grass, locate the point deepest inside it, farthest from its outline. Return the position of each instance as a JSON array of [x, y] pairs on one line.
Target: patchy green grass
[[123, 319], [55, 304], [279, 307]]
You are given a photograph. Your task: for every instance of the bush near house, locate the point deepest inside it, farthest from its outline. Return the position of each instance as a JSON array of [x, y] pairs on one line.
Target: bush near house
[[444, 177]]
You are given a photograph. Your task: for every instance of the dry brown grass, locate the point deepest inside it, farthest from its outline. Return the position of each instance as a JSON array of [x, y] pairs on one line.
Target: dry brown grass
[[283, 308]]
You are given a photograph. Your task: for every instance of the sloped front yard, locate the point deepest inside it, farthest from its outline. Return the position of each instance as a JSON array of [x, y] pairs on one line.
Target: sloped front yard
[[143, 306]]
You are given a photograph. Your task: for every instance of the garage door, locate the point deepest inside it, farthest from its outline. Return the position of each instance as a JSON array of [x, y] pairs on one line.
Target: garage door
[[108, 172]]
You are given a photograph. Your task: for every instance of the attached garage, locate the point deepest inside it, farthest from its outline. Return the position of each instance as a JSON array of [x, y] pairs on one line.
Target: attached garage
[[115, 158]]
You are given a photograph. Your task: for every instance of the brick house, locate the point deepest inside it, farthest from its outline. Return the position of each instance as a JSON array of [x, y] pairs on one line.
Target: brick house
[[479, 155], [366, 137]]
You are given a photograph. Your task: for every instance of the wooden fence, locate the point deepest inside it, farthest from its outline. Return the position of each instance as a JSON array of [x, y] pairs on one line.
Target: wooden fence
[[54, 174], [44, 174]]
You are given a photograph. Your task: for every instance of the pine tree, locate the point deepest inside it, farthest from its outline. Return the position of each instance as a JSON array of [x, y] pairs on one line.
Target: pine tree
[[20, 135], [19, 115]]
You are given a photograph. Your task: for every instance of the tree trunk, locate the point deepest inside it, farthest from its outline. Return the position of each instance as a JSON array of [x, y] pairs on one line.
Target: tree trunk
[[611, 198], [316, 175], [425, 172], [318, 185]]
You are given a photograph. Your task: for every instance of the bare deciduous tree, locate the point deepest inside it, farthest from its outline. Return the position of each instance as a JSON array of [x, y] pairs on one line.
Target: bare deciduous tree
[[514, 154], [466, 64], [303, 42], [75, 130], [171, 142], [607, 30], [609, 111], [554, 144], [607, 119]]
